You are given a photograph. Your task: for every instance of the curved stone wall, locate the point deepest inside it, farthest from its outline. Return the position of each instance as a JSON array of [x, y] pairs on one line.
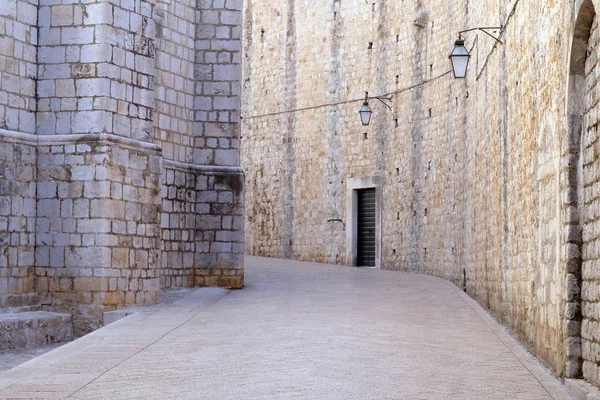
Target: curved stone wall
[[477, 175]]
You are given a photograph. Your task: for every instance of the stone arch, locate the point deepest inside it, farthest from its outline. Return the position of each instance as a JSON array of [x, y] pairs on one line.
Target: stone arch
[[574, 199]]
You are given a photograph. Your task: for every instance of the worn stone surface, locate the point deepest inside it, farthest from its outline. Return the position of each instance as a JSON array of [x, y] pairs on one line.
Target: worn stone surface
[[18, 41], [202, 227], [480, 177], [590, 236], [298, 330], [34, 329], [582, 390], [13, 358], [17, 224]]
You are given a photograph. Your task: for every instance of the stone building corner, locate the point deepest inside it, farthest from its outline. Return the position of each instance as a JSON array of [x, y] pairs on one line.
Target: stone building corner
[[119, 153]]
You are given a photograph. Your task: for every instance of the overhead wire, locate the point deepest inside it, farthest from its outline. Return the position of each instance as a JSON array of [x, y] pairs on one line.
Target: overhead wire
[[395, 92]]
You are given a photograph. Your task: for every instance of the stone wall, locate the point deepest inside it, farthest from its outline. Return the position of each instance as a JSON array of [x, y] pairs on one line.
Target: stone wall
[[479, 176], [17, 223], [175, 82], [18, 40], [18, 56], [590, 294], [202, 226], [97, 227], [99, 121], [197, 122]]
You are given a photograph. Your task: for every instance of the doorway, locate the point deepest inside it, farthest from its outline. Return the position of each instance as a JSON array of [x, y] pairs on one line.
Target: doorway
[[363, 221], [366, 227]]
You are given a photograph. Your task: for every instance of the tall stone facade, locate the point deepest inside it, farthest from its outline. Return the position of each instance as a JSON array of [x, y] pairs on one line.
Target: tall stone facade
[[119, 152], [490, 182]]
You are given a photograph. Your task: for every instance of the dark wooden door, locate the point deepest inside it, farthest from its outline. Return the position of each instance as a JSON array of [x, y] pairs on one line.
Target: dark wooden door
[[366, 228]]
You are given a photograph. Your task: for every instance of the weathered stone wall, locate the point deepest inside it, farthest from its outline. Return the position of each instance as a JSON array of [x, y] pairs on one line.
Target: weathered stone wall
[[17, 223], [18, 56], [98, 183], [198, 125], [477, 174], [97, 228], [98, 122], [590, 293], [175, 83], [96, 68], [202, 226], [18, 40]]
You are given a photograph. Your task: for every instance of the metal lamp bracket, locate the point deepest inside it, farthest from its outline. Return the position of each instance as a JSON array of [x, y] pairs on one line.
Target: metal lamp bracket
[[485, 30], [381, 99], [384, 99]]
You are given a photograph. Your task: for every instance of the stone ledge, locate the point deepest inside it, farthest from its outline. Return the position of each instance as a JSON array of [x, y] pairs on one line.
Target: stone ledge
[[582, 390], [205, 169], [33, 329], [22, 309], [112, 316], [53, 140]]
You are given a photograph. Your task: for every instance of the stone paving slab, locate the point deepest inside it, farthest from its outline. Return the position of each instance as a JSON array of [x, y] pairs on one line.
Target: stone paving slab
[[298, 330], [11, 358]]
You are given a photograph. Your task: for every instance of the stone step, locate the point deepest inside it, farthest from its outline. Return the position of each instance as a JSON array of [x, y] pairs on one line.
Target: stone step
[[22, 309], [34, 329]]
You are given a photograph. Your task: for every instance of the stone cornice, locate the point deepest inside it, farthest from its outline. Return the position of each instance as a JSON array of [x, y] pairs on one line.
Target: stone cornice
[[60, 140], [207, 169], [52, 140]]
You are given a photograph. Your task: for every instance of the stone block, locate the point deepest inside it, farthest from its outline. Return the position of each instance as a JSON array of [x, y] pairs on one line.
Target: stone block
[[34, 329], [98, 13], [8, 8], [77, 35], [93, 225], [94, 53], [90, 284], [93, 121], [61, 15]]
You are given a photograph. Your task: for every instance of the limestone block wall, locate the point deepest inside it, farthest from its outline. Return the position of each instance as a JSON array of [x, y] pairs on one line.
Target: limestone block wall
[[175, 81], [98, 122], [18, 55], [18, 40], [99, 173], [97, 228], [479, 176], [17, 223], [202, 226], [198, 125], [96, 68], [590, 293], [218, 73]]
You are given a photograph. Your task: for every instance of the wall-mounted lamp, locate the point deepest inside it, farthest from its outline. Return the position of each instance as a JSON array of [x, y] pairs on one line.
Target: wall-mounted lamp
[[460, 55], [365, 111], [460, 59]]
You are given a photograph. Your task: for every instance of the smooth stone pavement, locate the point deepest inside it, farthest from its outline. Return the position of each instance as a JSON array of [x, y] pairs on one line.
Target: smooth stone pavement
[[11, 358], [297, 330]]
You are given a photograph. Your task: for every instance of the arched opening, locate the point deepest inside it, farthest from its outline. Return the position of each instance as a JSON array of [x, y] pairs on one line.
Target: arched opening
[[580, 108]]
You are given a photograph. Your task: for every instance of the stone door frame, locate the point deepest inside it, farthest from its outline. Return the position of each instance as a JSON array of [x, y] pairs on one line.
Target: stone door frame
[[353, 185]]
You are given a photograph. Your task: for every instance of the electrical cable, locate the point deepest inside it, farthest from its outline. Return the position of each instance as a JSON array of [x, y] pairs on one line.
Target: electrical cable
[[406, 89], [502, 32]]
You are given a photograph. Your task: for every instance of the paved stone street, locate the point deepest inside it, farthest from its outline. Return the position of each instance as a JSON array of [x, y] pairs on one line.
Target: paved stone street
[[297, 330]]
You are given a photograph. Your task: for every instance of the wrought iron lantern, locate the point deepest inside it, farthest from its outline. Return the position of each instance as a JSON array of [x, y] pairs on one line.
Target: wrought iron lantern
[[460, 55], [460, 59], [365, 113]]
